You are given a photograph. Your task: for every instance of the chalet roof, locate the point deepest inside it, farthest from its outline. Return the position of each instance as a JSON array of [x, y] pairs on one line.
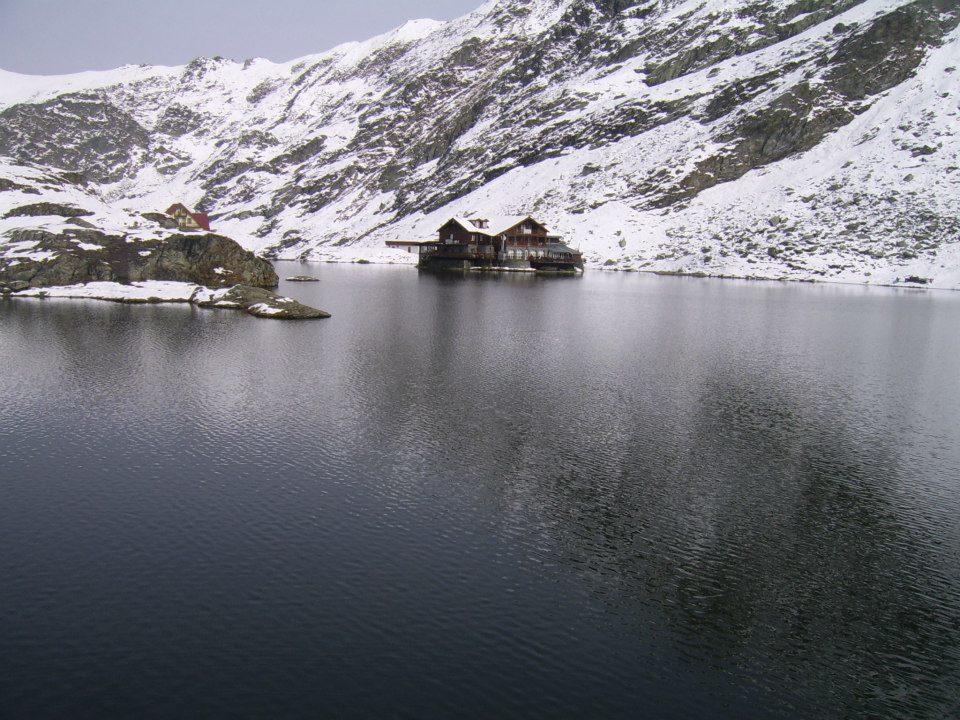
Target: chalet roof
[[202, 219], [496, 224]]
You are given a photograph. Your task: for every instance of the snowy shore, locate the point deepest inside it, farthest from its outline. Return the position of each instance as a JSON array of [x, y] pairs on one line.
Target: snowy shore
[[254, 301]]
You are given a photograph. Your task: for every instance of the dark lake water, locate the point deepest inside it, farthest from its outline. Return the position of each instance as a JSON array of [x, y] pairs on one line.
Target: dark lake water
[[608, 496]]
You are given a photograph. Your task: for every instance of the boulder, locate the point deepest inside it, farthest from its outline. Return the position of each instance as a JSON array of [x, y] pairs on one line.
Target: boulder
[[79, 222], [207, 259]]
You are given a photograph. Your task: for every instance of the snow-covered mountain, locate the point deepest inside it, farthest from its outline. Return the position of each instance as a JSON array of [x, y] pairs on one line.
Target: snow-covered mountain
[[795, 138]]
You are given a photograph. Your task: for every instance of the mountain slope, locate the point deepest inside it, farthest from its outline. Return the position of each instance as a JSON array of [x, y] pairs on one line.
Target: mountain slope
[[798, 138]]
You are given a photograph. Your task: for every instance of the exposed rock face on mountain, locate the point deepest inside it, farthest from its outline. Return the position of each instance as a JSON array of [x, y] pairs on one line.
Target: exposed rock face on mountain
[[796, 138], [43, 209]]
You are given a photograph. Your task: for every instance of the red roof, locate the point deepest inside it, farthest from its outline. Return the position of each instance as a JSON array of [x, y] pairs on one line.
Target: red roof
[[202, 219], [176, 206]]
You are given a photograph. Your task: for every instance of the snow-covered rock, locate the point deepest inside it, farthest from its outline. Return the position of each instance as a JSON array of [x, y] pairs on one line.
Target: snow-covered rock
[[254, 301], [769, 138]]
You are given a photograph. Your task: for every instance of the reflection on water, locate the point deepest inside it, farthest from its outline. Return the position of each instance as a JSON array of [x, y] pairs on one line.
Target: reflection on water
[[508, 496]]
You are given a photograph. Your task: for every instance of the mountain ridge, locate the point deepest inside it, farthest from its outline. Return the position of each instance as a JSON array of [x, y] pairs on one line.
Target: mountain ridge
[[722, 137]]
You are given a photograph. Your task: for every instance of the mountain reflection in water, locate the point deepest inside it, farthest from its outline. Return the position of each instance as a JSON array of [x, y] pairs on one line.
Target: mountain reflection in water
[[481, 496]]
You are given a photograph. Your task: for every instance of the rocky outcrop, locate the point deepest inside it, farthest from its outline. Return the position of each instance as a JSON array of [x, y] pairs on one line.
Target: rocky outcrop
[[14, 286], [890, 49], [80, 222], [258, 302], [263, 303], [164, 221], [41, 259], [868, 62], [46, 208], [106, 139], [6, 185], [210, 260]]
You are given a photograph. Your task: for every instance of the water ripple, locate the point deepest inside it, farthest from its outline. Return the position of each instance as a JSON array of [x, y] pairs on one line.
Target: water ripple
[[616, 496]]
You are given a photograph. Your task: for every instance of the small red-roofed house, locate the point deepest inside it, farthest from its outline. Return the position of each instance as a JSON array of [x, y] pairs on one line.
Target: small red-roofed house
[[188, 220]]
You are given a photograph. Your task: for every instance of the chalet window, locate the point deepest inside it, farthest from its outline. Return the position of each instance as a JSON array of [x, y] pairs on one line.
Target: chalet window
[[526, 229]]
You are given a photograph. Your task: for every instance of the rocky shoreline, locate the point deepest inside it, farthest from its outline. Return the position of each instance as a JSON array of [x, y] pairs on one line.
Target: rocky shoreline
[[258, 302], [71, 257]]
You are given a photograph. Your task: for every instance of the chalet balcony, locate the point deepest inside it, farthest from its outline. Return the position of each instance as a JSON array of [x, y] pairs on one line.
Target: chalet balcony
[[487, 252], [461, 252]]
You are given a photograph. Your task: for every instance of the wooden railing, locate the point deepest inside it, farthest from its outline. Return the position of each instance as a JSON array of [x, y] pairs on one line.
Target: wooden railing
[[462, 251], [475, 252]]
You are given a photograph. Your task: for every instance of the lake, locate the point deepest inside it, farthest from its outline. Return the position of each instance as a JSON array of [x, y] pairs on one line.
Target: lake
[[618, 495]]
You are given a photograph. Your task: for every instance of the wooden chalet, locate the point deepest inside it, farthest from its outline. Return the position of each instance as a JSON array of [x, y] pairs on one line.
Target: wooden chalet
[[187, 220], [512, 242]]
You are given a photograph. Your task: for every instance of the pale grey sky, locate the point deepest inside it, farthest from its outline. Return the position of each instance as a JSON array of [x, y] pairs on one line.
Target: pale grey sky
[[60, 36]]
